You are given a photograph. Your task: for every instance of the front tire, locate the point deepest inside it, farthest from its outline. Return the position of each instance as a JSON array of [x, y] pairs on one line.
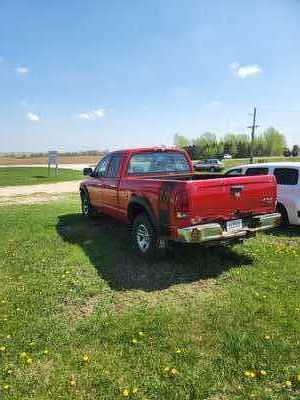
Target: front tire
[[86, 207], [143, 236]]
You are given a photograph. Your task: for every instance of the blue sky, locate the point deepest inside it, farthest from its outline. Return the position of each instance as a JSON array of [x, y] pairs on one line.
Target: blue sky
[[77, 75]]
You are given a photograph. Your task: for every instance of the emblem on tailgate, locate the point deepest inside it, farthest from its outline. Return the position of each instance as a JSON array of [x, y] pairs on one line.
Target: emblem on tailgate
[[236, 191]]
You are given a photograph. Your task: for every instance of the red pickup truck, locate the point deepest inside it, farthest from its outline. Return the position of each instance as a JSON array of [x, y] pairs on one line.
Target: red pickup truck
[[156, 192]]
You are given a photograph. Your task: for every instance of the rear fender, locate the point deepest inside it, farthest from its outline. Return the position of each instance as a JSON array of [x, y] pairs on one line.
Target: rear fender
[[145, 206]]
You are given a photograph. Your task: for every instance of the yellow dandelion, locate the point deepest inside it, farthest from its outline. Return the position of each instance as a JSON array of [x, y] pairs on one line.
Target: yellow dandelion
[[298, 378], [173, 371], [2, 348], [125, 392], [6, 387], [166, 369], [178, 351], [85, 358], [72, 382], [134, 390], [45, 351], [3, 301], [18, 309], [288, 384], [250, 374], [23, 354], [29, 360], [141, 333], [10, 371], [267, 337], [8, 337], [134, 341], [262, 372]]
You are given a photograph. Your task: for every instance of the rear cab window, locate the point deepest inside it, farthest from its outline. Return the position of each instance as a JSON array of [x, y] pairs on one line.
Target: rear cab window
[[286, 176], [158, 162], [257, 171]]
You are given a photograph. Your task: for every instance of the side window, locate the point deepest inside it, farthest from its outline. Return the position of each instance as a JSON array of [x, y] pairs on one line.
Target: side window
[[286, 176], [257, 171], [236, 171], [114, 166], [102, 166]]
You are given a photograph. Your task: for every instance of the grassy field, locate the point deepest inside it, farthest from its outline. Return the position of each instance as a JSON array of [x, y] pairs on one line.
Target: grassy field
[[241, 161], [89, 160], [81, 317], [34, 175]]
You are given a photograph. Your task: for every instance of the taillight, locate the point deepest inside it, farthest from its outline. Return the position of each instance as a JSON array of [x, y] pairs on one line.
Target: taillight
[[181, 204]]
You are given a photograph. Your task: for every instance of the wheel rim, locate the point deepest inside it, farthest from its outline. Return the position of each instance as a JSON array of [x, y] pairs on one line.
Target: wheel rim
[[143, 238], [85, 205]]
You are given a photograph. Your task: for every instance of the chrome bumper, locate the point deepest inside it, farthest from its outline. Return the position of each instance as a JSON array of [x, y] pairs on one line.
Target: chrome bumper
[[215, 232]]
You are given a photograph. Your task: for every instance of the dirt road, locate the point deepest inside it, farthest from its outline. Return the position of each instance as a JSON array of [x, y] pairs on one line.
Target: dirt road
[[36, 193], [49, 188]]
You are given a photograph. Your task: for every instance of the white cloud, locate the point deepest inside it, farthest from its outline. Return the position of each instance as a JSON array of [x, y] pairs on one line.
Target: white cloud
[[22, 71], [215, 103], [92, 115], [32, 117], [245, 71]]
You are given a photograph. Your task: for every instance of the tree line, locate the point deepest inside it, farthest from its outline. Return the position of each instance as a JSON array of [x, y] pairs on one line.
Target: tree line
[[269, 143]]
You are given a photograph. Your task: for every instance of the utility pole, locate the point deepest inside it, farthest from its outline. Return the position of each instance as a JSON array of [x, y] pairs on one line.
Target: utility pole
[[253, 127]]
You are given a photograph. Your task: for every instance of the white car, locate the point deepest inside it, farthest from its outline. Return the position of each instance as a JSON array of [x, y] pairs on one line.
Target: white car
[[227, 157], [287, 175]]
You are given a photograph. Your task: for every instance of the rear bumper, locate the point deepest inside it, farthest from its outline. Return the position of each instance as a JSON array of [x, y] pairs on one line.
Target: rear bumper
[[214, 232]]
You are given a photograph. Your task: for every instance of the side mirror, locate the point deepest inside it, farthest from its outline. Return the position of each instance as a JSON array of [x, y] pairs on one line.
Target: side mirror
[[88, 171]]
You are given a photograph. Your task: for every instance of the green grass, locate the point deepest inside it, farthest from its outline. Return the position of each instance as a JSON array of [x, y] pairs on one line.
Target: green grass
[[33, 175], [241, 161], [72, 287]]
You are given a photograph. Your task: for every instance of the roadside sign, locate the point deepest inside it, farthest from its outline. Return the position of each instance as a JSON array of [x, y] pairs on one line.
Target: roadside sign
[[52, 160]]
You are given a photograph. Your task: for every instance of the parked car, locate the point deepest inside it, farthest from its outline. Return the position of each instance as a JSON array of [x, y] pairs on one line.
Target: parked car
[[287, 177], [156, 192], [211, 165], [227, 157]]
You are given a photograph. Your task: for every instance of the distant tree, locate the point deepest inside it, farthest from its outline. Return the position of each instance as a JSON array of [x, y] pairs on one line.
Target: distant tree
[[180, 140], [269, 143], [274, 142]]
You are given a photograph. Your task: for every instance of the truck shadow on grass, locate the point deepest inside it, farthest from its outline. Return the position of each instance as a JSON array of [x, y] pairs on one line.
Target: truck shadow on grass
[[106, 243], [289, 231]]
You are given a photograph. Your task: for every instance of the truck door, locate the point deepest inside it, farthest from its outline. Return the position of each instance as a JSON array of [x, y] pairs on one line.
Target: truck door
[[111, 180], [96, 183]]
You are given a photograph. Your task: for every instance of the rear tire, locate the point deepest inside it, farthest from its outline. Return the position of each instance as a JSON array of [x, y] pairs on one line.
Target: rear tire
[[284, 215], [143, 236]]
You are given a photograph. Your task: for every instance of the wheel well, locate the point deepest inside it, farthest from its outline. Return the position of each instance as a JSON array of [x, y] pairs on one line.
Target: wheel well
[[135, 209], [282, 210], [139, 205]]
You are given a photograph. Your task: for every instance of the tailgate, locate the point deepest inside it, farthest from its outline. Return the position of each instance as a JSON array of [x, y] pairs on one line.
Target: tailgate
[[229, 198]]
